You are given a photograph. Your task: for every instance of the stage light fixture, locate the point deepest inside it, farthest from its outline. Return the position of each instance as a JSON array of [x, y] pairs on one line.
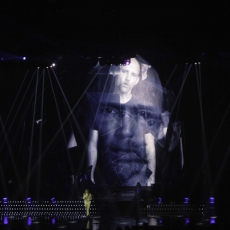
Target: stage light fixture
[[53, 64], [5, 221], [159, 200], [24, 58], [5, 200], [127, 61], [212, 220], [28, 200], [53, 220], [187, 221], [211, 200], [53, 201], [186, 200], [29, 220]]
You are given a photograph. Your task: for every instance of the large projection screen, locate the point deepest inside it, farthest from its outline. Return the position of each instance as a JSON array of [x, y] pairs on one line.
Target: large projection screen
[[131, 132]]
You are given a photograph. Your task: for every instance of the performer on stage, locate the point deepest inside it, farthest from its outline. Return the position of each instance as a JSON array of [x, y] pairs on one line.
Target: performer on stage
[[87, 197]]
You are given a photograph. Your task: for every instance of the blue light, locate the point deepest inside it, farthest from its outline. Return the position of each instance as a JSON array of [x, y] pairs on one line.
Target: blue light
[[212, 220], [28, 200], [159, 200], [186, 200], [211, 200], [53, 220], [127, 62], [5, 200], [5, 221], [29, 221], [187, 221], [160, 221], [53, 200]]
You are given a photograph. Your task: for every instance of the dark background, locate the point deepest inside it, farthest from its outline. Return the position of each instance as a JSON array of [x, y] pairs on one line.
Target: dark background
[[166, 33]]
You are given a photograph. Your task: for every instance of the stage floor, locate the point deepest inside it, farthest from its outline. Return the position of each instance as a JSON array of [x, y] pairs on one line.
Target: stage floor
[[105, 214], [109, 223]]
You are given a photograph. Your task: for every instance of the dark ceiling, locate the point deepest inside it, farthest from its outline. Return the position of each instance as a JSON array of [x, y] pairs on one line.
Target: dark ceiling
[[50, 27]]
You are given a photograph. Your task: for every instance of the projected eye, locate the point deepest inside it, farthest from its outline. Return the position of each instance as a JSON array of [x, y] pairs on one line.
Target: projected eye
[[153, 123], [123, 71], [111, 111], [142, 114]]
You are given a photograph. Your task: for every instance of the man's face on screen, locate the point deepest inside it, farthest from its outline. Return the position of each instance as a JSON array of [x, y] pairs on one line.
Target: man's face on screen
[[127, 77], [122, 129]]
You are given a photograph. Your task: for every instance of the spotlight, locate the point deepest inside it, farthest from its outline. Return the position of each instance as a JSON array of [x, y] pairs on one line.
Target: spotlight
[[28, 200], [53, 64], [187, 221], [186, 200], [211, 200], [24, 58], [5, 200], [159, 200], [5, 221], [127, 61], [29, 220], [160, 221], [53, 201], [53, 220], [212, 220], [38, 121]]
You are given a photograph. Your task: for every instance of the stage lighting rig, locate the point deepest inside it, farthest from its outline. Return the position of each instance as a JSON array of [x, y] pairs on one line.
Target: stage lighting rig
[[115, 60]]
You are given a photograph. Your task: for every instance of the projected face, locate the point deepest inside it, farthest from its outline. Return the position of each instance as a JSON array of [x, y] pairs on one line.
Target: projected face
[[127, 118], [127, 121], [123, 129], [127, 77]]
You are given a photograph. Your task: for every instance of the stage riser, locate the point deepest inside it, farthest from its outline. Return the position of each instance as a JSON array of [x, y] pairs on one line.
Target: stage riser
[[105, 208]]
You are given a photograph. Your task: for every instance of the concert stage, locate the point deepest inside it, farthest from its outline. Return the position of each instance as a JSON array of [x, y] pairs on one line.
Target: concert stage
[[105, 214]]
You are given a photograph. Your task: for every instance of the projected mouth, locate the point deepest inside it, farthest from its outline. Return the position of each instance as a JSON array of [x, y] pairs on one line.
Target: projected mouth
[[130, 169], [128, 154], [127, 148], [126, 85]]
